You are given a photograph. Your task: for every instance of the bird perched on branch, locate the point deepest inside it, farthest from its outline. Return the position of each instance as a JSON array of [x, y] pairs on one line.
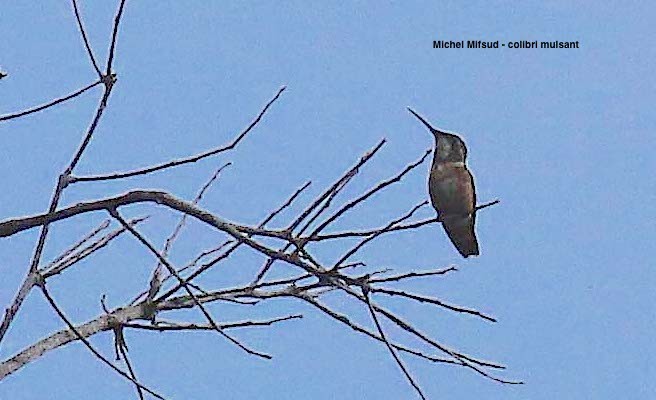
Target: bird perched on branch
[[451, 189]]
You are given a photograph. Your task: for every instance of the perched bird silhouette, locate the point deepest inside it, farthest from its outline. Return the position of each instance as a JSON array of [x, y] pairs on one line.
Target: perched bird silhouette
[[452, 191]]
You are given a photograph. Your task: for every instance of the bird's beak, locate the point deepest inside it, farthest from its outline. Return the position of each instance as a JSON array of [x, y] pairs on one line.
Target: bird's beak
[[434, 131]]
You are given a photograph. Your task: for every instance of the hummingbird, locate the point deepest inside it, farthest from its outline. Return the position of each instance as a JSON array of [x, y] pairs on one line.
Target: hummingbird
[[451, 189]]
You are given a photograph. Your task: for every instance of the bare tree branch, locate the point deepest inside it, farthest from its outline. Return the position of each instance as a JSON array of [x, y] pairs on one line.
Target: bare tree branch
[[123, 349], [227, 253], [175, 163], [356, 248], [191, 264], [112, 46], [173, 272], [412, 275], [86, 40], [482, 206], [183, 218], [345, 235], [346, 321], [391, 348], [13, 226], [326, 196], [29, 280], [104, 225], [465, 360], [157, 279], [382, 185], [431, 300], [59, 267], [89, 346], [333, 190], [162, 326], [49, 104]]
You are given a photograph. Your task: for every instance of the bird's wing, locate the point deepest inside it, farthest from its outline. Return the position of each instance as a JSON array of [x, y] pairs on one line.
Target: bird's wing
[[461, 232], [457, 212]]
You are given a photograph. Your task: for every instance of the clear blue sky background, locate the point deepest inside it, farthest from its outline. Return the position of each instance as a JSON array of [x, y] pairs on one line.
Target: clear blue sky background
[[563, 137]]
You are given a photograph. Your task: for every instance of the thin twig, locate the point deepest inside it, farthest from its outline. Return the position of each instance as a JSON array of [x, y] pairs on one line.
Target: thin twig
[[62, 183], [204, 254], [482, 206], [62, 265], [86, 40], [109, 81], [332, 191], [88, 344], [357, 328], [183, 218], [112, 46], [123, 351], [49, 104], [156, 281], [189, 265], [227, 253], [162, 326], [183, 282], [465, 360], [369, 193], [286, 204], [327, 202], [431, 300], [344, 235], [413, 275], [79, 243], [391, 348], [327, 196], [410, 329], [192, 159], [357, 247], [462, 359]]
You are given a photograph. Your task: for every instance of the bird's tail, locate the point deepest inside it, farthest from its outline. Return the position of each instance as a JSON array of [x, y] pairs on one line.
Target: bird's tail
[[462, 235]]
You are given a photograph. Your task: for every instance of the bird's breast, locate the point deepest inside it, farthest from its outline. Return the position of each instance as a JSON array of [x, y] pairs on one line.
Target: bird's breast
[[451, 189]]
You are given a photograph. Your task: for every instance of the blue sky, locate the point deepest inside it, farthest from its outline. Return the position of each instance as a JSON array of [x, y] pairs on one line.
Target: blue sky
[[563, 137]]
